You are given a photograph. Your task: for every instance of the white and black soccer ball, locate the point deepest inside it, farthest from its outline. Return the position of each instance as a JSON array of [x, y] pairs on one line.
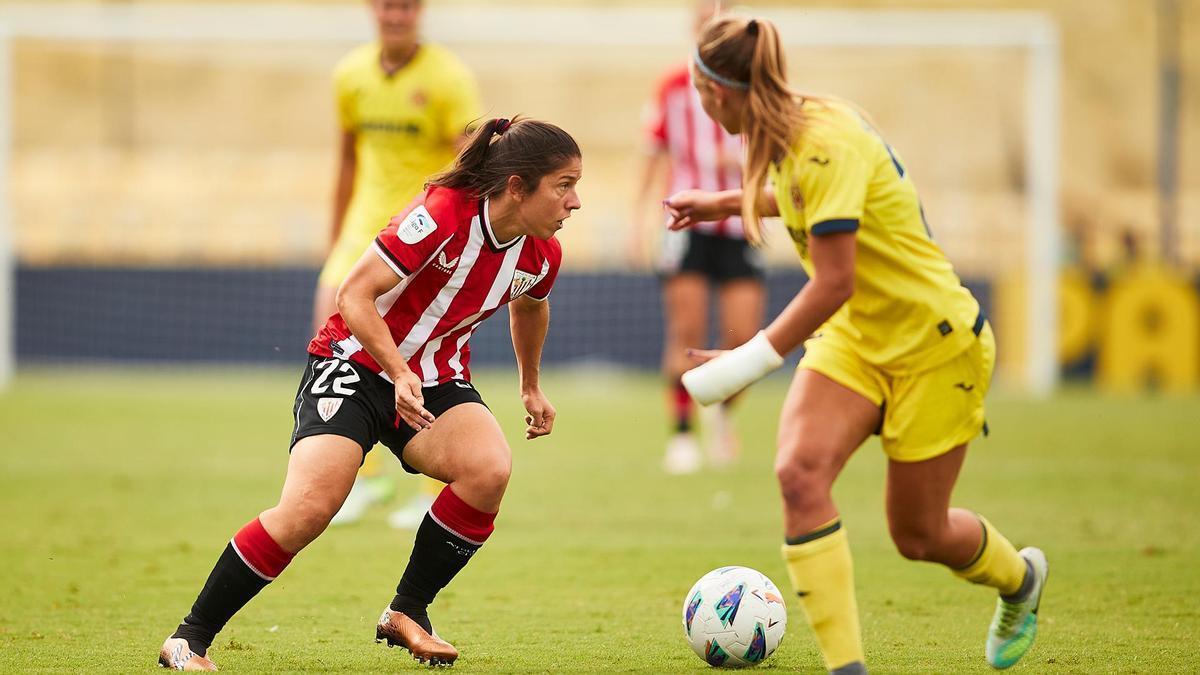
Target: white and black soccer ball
[[734, 617]]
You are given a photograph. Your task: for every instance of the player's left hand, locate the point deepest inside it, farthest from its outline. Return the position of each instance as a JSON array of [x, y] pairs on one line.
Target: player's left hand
[[688, 207], [704, 355], [540, 420]]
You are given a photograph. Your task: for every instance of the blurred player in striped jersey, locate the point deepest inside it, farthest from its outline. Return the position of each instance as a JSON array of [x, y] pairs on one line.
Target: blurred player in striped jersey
[[393, 367], [695, 152], [403, 107]]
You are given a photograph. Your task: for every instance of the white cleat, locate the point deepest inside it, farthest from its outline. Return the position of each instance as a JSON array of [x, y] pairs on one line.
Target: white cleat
[[361, 498], [177, 655], [721, 439], [1014, 626], [683, 455], [409, 516]]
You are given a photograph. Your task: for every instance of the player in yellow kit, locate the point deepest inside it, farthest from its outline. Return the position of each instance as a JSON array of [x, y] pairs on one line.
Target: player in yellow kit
[[893, 343], [403, 107]]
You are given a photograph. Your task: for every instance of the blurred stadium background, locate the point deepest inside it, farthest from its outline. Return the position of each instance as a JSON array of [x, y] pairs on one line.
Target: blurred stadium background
[[171, 167], [167, 171]]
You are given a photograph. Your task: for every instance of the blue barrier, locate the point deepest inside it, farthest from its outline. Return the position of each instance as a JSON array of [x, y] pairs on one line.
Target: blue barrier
[[253, 315]]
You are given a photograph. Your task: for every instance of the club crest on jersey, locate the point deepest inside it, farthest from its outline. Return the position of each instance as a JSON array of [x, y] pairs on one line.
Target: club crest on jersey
[[445, 264], [523, 281], [799, 235], [417, 225], [328, 407]]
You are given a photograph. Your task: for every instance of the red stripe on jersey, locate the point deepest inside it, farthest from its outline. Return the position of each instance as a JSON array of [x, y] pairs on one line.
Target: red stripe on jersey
[[718, 137], [699, 149], [397, 264], [448, 348], [690, 134], [463, 276]]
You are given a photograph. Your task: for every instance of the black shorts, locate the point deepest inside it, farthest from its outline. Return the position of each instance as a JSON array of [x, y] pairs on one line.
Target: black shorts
[[343, 398], [719, 259]]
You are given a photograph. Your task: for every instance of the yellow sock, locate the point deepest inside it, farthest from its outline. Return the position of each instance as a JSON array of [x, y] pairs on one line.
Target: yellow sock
[[431, 486], [996, 564], [822, 574]]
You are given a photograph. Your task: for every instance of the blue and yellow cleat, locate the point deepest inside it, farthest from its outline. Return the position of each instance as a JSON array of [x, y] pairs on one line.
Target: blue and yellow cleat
[[1014, 626]]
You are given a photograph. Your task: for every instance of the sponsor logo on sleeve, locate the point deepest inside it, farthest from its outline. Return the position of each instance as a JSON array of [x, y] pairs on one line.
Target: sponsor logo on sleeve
[[417, 225]]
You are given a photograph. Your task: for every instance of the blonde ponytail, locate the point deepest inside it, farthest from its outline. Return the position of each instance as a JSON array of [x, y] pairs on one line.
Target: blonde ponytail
[[750, 51]]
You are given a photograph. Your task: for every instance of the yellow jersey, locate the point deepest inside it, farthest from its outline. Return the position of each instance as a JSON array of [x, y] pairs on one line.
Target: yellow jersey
[[405, 124], [909, 310]]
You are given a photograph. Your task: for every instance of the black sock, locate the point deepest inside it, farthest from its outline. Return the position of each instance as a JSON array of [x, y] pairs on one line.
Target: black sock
[[413, 609], [438, 554], [229, 587]]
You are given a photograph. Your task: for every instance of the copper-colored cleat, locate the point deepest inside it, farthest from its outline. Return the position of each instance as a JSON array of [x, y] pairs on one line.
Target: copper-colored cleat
[[177, 655], [400, 631]]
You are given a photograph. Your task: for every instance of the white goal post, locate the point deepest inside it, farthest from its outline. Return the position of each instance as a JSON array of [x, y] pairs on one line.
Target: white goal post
[[1035, 33]]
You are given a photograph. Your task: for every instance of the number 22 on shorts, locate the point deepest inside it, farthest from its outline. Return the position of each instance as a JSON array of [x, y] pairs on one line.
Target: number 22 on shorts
[[341, 383]]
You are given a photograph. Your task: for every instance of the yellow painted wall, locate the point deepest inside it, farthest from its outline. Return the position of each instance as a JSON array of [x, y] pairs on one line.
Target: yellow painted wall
[[157, 143]]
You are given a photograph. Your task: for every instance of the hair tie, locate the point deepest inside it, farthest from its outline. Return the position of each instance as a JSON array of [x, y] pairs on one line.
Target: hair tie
[[502, 125], [752, 27]]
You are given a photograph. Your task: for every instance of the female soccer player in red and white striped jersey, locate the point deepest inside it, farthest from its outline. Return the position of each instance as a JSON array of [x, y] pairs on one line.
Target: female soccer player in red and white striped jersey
[[697, 153], [392, 367]]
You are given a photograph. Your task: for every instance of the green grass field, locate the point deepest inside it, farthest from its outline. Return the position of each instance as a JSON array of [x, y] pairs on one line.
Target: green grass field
[[120, 490]]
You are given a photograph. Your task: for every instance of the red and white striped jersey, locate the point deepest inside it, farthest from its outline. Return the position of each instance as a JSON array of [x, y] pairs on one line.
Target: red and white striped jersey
[[702, 154], [453, 275]]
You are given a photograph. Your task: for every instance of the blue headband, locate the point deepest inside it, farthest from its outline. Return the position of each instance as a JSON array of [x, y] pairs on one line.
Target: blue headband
[[720, 79]]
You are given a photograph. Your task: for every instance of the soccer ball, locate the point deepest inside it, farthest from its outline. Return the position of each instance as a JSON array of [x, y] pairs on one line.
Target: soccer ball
[[734, 617]]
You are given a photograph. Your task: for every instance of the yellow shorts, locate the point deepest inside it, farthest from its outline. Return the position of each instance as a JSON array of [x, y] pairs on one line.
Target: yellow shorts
[[925, 414], [346, 251]]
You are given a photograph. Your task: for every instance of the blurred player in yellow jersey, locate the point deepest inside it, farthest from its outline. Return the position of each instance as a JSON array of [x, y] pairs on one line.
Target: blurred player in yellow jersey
[[404, 107], [894, 344]]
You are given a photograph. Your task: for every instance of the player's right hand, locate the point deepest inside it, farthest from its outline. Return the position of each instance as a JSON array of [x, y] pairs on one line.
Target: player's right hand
[[688, 207], [725, 373], [410, 402]]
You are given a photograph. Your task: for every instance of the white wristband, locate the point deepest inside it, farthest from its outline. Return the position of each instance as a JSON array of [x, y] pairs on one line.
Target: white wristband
[[733, 371]]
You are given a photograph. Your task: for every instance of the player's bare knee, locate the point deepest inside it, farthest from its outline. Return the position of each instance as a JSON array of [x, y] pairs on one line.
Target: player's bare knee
[[294, 526], [804, 482], [806, 461], [488, 477], [494, 480], [311, 520]]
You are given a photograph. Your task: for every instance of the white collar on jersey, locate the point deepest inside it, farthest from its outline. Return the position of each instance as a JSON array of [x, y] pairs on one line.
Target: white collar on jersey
[[486, 223]]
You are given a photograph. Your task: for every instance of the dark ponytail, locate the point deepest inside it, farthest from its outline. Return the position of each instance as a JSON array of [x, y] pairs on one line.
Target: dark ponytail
[[499, 148]]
